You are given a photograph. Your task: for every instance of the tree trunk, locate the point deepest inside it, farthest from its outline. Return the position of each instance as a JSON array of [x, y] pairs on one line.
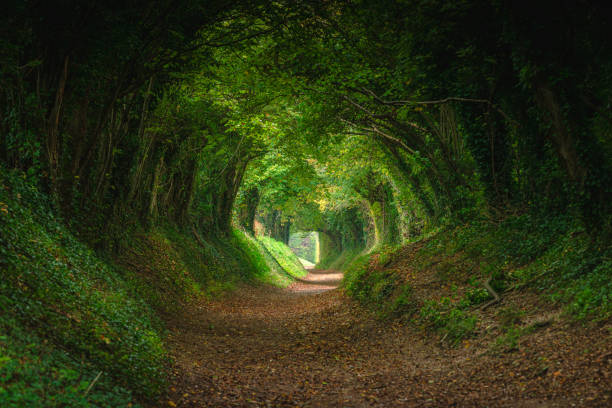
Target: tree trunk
[[53, 121]]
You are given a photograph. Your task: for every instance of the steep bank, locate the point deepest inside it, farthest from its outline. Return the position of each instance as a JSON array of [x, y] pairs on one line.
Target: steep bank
[[79, 328], [466, 266]]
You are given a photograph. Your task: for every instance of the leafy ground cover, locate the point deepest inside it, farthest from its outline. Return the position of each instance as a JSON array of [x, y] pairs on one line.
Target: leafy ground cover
[[307, 345], [437, 282], [284, 256], [68, 314], [270, 270]]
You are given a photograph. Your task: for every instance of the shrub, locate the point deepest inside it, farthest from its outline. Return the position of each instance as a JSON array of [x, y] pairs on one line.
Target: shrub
[[444, 316]]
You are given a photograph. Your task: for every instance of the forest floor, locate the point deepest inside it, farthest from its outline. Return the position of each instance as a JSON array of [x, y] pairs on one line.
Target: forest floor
[[309, 345]]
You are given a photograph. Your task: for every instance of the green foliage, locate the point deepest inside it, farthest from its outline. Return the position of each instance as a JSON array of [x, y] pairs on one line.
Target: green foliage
[[377, 288], [590, 296], [70, 303], [548, 256], [373, 123], [305, 245], [158, 273], [403, 304], [284, 256], [266, 267], [172, 264], [70, 314], [444, 316], [239, 258], [509, 341], [329, 255], [36, 373], [551, 255], [83, 133], [511, 332], [369, 282], [356, 278], [475, 296], [509, 316]]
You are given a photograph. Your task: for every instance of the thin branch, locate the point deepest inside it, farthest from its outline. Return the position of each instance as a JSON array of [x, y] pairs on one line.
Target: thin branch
[[437, 102], [92, 383], [355, 104], [403, 126], [379, 132], [391, 118], [492, 292]]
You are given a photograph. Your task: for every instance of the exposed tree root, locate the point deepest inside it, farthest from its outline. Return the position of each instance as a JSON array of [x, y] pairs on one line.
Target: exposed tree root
[[496, 297]]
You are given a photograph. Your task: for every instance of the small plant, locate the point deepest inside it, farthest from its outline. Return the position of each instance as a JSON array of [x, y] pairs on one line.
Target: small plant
[[509, 341], [474, 296], [432, 313], [509, 317], [459, 325], [445, 317], [404, 303], [509, 320], [382, 289], [591, 294], [386, 255]]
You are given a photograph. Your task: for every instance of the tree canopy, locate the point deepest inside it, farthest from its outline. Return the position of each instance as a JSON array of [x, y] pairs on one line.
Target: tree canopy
[[398, 115], [156, 152]]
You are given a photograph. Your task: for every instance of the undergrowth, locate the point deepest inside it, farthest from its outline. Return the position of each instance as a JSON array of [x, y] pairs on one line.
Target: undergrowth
[[69, 314], [267, 267], [552, 256], [284, 256]]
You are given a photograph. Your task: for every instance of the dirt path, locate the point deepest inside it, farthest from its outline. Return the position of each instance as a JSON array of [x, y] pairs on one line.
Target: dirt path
[[310, 346]]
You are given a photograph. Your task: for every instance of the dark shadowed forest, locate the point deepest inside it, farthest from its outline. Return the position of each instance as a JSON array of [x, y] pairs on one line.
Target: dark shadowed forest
[[300, 203]]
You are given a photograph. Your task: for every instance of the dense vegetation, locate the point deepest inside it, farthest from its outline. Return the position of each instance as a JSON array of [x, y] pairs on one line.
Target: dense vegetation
[[143, 144], [69, 314]]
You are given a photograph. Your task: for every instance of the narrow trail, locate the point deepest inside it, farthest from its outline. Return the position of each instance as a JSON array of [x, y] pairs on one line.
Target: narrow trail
[[310, 346]]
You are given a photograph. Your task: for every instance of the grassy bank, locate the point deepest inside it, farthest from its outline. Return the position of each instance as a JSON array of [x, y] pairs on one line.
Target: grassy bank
[[271, 271], [438, 282], [68, 315], [79, 329], [341, 261], [285, 257]]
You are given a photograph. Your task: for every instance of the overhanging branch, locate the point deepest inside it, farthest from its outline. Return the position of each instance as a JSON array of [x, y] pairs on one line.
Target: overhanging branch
[[405, 102], [376, 130]]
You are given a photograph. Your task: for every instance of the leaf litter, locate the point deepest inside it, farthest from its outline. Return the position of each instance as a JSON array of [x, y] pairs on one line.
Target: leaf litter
[[309, 345]]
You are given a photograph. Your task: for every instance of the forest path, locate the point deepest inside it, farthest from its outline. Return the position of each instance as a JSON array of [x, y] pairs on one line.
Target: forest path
[[308, 345]]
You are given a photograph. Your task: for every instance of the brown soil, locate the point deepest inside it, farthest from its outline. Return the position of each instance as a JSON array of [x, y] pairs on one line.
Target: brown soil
[[311, 346]]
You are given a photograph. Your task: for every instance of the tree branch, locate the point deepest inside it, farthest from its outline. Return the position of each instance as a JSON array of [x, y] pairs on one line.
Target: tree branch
[[379, 132], [492, 292], [381, 101]]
